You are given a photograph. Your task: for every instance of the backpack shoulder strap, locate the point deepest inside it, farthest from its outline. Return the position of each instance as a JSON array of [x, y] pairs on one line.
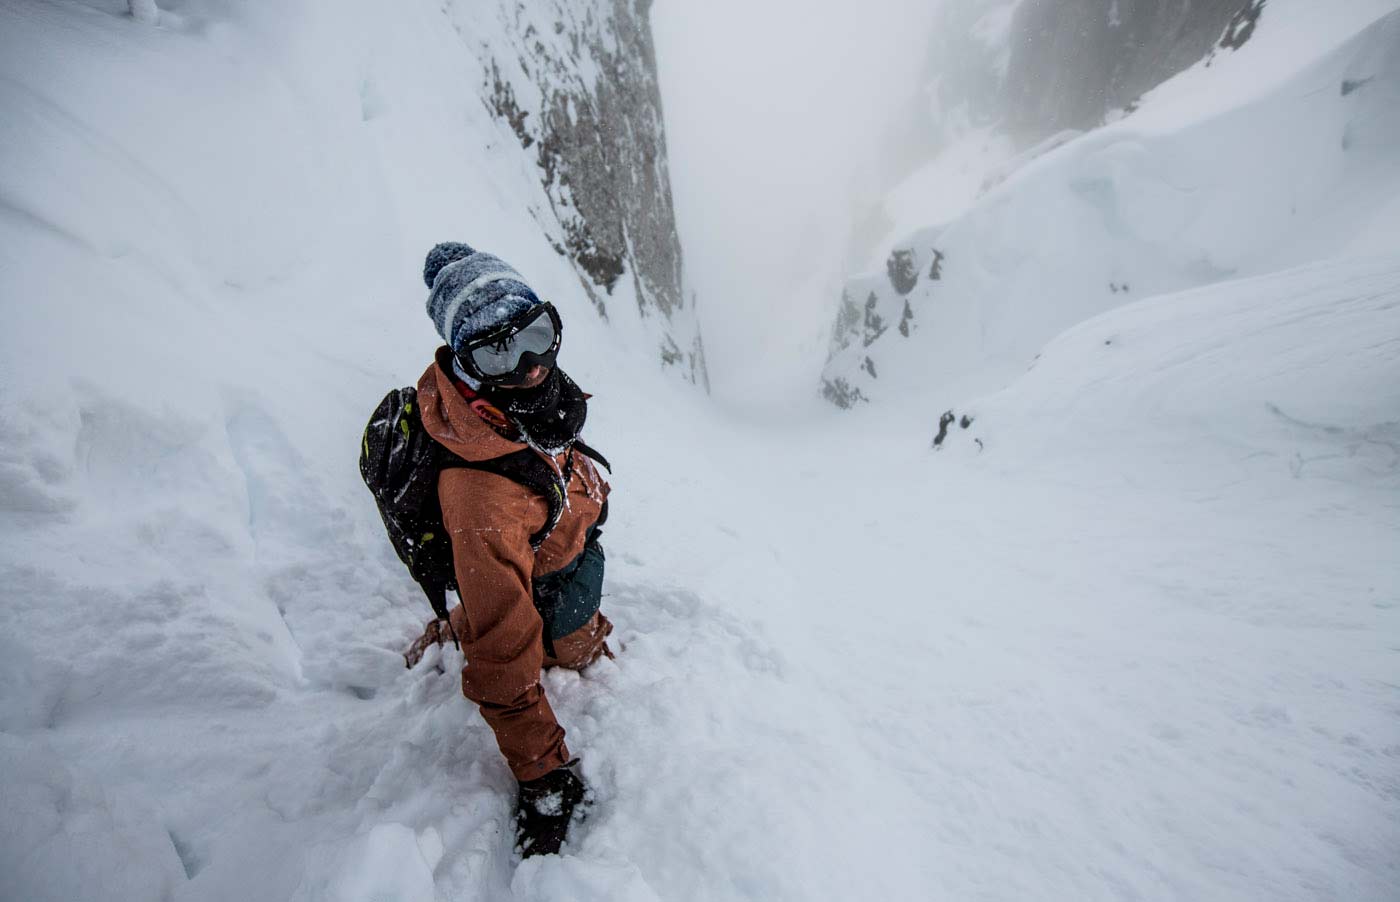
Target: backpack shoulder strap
[[526, 468], [579, 444]]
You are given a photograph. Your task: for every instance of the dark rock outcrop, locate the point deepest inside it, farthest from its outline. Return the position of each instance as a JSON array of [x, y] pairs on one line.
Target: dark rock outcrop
[[841, 393], [904, 275], [874, 322], [1242, 25]]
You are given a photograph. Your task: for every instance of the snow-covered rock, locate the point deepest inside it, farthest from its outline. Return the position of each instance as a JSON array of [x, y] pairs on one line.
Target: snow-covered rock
[[1070, 63], [1192, 189], [577, 84], [1038, 67]]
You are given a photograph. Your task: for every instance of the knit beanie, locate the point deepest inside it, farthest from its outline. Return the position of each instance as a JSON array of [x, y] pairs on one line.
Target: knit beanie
[[472, 292]]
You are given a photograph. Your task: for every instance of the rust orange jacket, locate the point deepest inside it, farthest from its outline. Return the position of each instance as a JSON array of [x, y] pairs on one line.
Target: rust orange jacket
[[491, 519]]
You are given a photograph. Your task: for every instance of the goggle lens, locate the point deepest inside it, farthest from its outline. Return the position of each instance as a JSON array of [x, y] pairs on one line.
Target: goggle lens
[[497, 358]]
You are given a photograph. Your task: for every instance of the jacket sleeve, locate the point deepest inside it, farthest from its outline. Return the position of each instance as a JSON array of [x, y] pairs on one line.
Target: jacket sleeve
[[490, 519]]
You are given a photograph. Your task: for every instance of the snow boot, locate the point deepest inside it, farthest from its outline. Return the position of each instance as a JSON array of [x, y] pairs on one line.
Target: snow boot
[[547, 806]]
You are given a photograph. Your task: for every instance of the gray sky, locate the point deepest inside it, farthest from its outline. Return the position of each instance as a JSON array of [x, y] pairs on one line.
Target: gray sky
[[776, 112]]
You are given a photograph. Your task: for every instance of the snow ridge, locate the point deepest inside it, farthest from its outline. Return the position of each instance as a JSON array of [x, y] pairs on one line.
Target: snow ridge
[[1191, 190]]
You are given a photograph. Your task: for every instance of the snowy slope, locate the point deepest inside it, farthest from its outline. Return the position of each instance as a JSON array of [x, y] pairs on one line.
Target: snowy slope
[[211, 233], [1141, 644], [1269, 157], [211, 251], [1018, 684]]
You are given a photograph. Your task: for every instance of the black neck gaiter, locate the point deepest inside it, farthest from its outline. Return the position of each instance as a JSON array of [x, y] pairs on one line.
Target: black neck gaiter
[[550, 415]]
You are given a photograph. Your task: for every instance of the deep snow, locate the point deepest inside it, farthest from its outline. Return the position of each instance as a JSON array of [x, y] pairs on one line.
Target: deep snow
[[1143, 642], [1254, 161]]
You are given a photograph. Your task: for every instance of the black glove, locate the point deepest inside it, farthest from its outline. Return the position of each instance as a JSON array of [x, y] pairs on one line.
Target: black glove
[[547, 805]]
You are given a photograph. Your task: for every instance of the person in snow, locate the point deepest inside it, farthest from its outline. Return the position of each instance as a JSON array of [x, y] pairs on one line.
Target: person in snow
[[493, 390]]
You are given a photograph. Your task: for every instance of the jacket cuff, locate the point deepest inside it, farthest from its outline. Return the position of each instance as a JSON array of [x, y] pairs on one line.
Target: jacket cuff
[[554, 759]]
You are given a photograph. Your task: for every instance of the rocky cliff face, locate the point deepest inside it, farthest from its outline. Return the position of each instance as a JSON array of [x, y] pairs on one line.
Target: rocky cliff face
[[1074, 61], [577, 85], [1038, 67]]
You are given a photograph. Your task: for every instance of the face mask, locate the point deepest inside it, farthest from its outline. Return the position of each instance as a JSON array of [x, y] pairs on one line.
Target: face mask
[[551, 415]]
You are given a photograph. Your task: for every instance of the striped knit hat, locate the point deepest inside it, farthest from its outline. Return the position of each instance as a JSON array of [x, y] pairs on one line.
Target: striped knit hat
[[472, 292]]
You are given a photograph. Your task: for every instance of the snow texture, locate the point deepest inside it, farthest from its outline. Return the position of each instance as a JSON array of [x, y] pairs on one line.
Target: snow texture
[[1131, 633], [1256, 163]]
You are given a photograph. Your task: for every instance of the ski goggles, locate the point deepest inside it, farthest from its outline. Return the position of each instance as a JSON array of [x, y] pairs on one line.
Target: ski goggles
[[504, 356]]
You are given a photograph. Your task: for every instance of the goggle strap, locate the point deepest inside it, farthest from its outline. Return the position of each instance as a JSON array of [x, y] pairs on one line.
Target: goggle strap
[[513, 329]]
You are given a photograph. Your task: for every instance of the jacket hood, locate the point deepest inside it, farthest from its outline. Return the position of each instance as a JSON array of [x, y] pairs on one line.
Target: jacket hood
[[449, 418]]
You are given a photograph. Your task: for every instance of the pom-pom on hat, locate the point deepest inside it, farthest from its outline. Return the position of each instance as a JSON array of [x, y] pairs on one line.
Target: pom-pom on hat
[[472, 292]]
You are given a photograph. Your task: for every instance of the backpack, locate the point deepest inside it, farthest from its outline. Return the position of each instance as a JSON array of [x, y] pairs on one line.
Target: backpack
[[400, 463]]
